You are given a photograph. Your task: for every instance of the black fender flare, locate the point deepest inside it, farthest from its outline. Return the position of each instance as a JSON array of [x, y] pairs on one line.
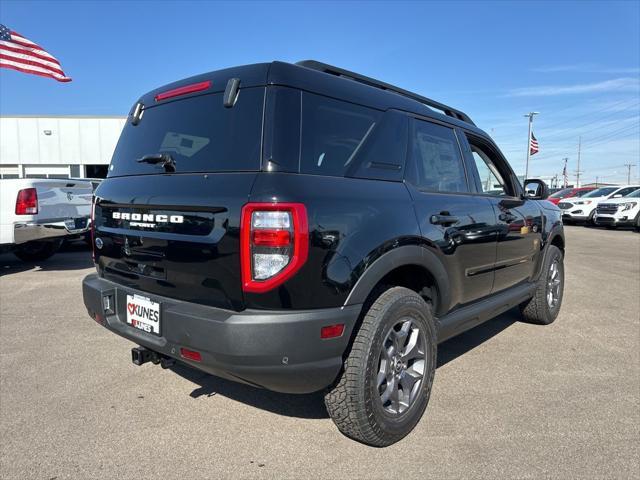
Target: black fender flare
[[399, 257], [556, 231]]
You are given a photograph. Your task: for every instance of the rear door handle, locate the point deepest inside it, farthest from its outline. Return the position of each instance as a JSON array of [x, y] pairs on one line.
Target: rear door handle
[[444, 219]]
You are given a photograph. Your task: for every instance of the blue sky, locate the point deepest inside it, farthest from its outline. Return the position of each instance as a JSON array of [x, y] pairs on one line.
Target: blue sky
[[578, 63]]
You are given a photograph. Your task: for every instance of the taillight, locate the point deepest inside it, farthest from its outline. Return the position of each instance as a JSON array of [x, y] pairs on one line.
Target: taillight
[[27, 202], [274, 244]]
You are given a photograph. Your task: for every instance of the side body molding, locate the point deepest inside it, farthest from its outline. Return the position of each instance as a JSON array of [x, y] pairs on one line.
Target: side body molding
[[398, 257]]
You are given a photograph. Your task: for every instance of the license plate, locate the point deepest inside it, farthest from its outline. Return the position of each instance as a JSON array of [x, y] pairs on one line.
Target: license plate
[[143, 314], [75, 223]]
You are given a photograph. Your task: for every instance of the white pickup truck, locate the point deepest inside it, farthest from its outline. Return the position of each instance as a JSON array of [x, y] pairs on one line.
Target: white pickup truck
[[37, 214]]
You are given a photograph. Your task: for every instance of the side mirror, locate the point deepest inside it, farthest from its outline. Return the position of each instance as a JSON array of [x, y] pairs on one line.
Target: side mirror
[[617, 195], [535, 189]]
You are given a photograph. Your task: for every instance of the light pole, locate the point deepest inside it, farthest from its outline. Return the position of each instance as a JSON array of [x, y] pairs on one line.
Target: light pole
[[578, 172], [530, 116], [629, 165]]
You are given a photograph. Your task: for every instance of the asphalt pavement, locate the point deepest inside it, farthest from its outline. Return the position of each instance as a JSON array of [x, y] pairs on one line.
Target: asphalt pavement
[[510, 400]]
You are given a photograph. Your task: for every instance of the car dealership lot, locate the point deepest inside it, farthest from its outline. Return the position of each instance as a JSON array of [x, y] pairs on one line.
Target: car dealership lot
[[509, 399]]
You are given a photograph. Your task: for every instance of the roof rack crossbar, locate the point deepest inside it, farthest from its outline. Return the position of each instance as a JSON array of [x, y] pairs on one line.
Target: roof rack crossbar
[[340, 72]]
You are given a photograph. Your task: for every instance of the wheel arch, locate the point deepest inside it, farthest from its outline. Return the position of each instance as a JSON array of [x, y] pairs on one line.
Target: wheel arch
[[557, 240], [411, 266]]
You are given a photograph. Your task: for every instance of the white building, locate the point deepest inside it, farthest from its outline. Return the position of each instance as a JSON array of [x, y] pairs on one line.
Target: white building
[[57, 146]]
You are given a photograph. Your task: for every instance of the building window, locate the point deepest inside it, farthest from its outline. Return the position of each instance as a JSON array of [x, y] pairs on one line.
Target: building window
[[96, 171], [9, 171]]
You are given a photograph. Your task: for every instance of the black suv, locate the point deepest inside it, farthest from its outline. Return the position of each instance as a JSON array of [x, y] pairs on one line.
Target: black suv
[[302, 227]]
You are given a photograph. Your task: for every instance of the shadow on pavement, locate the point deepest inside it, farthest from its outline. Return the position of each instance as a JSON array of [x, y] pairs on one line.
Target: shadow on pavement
[[312, 405], [467, 341], [72, 256], [300, 406]]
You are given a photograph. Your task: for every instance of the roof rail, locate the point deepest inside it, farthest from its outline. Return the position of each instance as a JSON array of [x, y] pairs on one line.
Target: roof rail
[[340, 72]]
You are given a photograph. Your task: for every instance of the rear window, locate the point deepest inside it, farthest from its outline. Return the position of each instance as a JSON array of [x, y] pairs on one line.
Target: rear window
[[199, 133]]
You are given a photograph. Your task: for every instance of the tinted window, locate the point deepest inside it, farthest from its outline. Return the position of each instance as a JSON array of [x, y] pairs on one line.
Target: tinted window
[[332, 133], [436, 158], [600, 192], [563, 193], [626, 191], [382, 155], [581, 193], [198, 132], [490, 179]]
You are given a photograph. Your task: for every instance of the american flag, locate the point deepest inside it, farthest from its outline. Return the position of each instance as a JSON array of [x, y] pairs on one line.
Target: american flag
[[533, 145], [20, 53]]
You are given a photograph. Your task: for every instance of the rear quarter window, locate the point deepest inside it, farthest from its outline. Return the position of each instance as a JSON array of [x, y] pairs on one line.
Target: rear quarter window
[[333, 132], [313, 134], [198, 132]]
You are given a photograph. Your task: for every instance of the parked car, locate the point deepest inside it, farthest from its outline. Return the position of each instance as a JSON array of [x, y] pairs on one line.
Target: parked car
[[94, 184], [619, 211], [572, 192], [36, 215], [582, 209], [94, 181], [303, 227]]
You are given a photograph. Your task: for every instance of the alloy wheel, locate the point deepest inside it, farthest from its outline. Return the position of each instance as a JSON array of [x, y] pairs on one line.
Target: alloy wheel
[[554, 282], [401, 366]]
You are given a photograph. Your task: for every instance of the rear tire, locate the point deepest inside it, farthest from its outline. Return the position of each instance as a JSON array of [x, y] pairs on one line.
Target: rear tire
[[385, 385], [37, 251], [544, 306]]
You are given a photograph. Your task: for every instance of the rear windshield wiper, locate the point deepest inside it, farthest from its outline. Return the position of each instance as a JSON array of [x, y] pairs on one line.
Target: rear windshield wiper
[[167, 161]]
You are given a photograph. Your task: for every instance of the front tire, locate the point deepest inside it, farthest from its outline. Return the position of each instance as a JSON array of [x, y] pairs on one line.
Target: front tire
[[544, 306], [385, 385], [37, 251]]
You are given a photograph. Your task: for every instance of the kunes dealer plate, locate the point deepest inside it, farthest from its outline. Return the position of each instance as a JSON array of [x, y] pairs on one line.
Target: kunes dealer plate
[[143, 314]]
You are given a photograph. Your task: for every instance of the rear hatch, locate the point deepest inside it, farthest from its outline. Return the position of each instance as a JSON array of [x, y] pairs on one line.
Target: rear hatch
[[173, 230]]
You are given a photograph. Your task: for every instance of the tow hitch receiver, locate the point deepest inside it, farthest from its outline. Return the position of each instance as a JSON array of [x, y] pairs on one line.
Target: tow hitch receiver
[[142, 355]]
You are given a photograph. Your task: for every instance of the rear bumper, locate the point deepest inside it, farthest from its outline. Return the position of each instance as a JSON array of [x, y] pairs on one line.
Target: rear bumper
[[277, 350], [30, 231]]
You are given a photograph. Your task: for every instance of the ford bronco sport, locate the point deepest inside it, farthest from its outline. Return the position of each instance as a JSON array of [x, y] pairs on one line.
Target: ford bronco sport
[[302, 227]]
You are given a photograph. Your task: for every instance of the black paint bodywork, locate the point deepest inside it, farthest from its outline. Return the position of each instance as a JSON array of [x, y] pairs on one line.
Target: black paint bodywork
[[360, 229]]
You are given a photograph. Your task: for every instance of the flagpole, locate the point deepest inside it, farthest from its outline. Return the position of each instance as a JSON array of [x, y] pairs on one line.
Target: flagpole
[[530, 115]]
